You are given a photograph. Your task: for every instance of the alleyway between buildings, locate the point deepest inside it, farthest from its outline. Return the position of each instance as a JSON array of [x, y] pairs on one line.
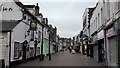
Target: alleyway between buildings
[[64, 59]]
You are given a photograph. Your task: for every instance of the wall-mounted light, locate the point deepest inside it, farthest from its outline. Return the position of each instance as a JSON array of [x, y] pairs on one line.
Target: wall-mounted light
[[28, 32]]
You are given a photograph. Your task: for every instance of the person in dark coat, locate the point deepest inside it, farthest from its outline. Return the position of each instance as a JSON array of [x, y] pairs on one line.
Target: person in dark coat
[[70, 49]]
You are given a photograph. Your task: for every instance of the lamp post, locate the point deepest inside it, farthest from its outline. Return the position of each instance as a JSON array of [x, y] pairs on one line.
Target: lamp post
[[49, 46], [42, 56], [33, 27], [35, 46], [24, 50]]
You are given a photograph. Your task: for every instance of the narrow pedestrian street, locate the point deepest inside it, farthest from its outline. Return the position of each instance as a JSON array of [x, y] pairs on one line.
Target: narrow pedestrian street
[[72, 33], [64, 59]]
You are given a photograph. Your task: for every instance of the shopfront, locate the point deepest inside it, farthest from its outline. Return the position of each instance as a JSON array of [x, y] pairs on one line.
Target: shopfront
[[95, 47], [101, 49], [111, 46], [45, 47], [117, 30]]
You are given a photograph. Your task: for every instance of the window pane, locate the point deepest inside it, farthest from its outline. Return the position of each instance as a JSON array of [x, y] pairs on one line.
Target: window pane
[[16, 50]]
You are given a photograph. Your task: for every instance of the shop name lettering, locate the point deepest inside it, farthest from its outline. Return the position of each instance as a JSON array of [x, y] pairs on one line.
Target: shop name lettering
[[2, 8]]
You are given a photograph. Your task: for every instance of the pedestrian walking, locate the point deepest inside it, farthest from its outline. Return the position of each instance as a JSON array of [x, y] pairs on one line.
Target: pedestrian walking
[[70, 49], [73, 51]]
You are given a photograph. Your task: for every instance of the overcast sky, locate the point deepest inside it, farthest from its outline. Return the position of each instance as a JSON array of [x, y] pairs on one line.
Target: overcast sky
[[66, 15]]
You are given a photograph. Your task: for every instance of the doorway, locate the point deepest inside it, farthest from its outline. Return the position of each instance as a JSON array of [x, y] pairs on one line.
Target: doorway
[[24, 52], [101, 50]]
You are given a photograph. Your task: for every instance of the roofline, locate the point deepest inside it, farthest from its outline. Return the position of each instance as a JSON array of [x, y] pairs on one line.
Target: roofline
[[17, 21], [6, 31], [21, 5], [29, 6], [86, 10]]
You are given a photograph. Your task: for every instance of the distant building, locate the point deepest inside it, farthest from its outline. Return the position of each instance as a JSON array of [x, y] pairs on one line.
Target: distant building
[[103, 34], [86, 30]]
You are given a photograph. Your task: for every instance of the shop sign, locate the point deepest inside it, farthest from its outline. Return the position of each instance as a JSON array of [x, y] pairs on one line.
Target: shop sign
[[117, 26], [110, 32], [100, 35], [3, 8]]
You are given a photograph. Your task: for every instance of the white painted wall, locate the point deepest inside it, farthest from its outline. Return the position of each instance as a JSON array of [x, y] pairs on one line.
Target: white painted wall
[[4, 47], [100, 35], [113, 9], [39, 44], [116, 10], [4, 38], [18, 35], [85, 16], [14, 14], [19, 32], [95, 22], [1, 37], [45, 33]]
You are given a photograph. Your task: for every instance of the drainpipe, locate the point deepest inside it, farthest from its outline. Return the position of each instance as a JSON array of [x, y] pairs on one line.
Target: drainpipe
[[10, 49], [105, 45], [49, 48]]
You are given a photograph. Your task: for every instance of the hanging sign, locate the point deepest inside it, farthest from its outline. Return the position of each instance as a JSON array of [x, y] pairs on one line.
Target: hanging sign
[[110, 32], [33, 25]]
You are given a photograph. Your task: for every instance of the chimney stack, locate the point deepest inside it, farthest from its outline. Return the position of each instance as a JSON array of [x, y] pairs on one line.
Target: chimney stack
[[45, 21], [37, 10], [37, 4]]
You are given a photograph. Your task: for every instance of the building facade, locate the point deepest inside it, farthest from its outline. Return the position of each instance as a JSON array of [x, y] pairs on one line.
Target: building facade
[[24, 34], [86, 31], [104, 35]]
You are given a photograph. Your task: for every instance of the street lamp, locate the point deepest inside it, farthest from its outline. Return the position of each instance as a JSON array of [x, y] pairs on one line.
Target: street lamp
[[49, 46], [35, 46]]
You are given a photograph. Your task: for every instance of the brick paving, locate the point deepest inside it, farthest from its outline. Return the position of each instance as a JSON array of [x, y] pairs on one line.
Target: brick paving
[[64, 59]]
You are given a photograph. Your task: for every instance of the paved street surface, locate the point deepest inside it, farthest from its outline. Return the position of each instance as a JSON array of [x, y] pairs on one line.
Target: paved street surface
[[64, 59]]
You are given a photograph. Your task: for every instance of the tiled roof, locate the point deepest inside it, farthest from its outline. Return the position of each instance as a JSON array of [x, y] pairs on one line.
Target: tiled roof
[[8, 25]]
